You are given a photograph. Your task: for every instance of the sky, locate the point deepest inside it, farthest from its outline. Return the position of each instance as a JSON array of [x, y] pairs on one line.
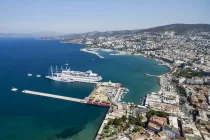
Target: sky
[[77, 16]]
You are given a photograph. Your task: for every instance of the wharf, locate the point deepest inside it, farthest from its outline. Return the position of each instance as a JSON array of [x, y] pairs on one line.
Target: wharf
[[54, 96], [91, 82], [158, 76], [93, 52]]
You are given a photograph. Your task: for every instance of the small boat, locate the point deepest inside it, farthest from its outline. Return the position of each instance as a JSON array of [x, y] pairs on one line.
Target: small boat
[[38, 75], [29, 74], [14, 89]]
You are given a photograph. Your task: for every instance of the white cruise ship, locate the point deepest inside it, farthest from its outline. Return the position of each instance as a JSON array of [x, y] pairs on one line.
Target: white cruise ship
[[68, 75]]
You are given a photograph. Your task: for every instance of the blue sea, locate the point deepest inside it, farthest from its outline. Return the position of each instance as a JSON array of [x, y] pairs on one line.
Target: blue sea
[[29, 117]]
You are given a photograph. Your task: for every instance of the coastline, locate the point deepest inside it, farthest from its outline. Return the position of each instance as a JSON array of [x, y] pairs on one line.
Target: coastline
[[162, 63], [94, 51]]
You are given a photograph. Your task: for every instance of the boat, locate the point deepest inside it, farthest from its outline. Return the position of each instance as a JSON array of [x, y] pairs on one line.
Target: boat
[[14, 89], [38, 76], [29, 74], [59, 78], [69, 74]]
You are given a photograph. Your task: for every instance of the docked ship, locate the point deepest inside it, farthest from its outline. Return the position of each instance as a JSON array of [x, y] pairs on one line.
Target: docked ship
[[69, 75]]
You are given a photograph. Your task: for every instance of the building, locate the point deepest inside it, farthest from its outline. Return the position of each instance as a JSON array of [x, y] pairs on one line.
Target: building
[[154, 127], [189, 130], [172, 129], [160, 121]]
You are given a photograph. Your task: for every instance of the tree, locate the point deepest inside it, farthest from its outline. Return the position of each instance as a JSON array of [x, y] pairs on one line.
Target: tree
[[110, 122], [200, 100], [137, 129], [124, 118], [139, 118], [132, 120], [116, 122], [106, 127]]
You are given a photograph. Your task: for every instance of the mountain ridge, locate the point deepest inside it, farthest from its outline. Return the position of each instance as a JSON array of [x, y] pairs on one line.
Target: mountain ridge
[[178, 28]]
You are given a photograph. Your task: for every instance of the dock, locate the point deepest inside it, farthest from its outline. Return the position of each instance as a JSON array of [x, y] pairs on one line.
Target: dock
[[158, 76], [91, 82], [54, 96]]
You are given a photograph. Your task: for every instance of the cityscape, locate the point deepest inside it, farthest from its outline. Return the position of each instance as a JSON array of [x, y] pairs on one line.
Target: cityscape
[[180, 109], [105, 70]]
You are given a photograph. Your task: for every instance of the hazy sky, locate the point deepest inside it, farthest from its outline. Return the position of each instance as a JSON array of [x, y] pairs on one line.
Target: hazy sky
[[73, 16]]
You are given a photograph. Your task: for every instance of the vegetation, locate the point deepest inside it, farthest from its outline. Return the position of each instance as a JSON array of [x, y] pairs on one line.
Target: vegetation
[[157, 113], [200, 100], [137, 129], [182, 102], [181, 91], [195, 112], [187, 73]]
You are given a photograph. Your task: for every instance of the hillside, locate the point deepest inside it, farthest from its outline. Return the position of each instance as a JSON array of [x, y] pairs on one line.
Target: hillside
[[97, 34], [180, 28]]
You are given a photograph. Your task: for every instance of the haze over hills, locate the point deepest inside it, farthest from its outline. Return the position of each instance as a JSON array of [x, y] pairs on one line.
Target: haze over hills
[[180, 28], [177, 28], [33, 34]]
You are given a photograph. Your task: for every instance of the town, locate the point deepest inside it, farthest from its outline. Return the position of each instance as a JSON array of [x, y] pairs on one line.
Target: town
[[181, 109]]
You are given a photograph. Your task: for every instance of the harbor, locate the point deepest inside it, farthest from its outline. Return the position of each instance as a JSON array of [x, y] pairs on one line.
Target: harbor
[[104, 94]]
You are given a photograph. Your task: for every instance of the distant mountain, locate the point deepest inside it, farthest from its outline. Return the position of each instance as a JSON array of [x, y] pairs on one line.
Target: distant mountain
[[34, 34], [177, 28], [97, 34], [180, 28]]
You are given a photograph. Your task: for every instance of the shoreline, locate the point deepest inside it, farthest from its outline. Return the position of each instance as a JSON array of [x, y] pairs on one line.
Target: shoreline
[[162, 63]]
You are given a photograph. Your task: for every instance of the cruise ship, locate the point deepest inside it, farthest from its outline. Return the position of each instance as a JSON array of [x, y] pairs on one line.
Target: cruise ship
[[68, 75]]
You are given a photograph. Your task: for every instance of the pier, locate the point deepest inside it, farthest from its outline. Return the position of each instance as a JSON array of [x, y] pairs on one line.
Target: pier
[[93, 52], [91, 82], [158, 76], [54, 96]]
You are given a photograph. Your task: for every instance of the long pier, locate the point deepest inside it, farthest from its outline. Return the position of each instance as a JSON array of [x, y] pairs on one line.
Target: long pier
[[153, 75], [54, 96]]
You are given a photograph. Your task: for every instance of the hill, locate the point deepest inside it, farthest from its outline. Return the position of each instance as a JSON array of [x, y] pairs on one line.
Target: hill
[[97, 34], [180, 28]]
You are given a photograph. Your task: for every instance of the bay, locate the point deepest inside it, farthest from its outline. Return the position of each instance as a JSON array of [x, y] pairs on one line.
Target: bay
[[25, 117]]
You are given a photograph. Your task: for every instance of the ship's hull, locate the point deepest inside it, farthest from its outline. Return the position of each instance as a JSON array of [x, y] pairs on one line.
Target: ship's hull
[[81, 78], [85, 79], [60, 79]]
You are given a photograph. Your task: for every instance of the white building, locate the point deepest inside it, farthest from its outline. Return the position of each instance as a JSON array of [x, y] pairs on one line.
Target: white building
[[172, 130]]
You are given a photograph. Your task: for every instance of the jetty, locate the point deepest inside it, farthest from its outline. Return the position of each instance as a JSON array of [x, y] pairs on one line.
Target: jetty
[[86, 81], [158, 76], [93, 52], [54, 96]]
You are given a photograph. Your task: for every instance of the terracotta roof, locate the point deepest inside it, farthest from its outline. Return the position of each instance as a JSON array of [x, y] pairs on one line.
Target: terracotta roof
[[153, 125]]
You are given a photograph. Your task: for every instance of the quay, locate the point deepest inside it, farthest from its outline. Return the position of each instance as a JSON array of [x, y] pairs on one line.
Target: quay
[[93, 52], [153, 75], [54, 96], [104, 94], [91, 82]]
